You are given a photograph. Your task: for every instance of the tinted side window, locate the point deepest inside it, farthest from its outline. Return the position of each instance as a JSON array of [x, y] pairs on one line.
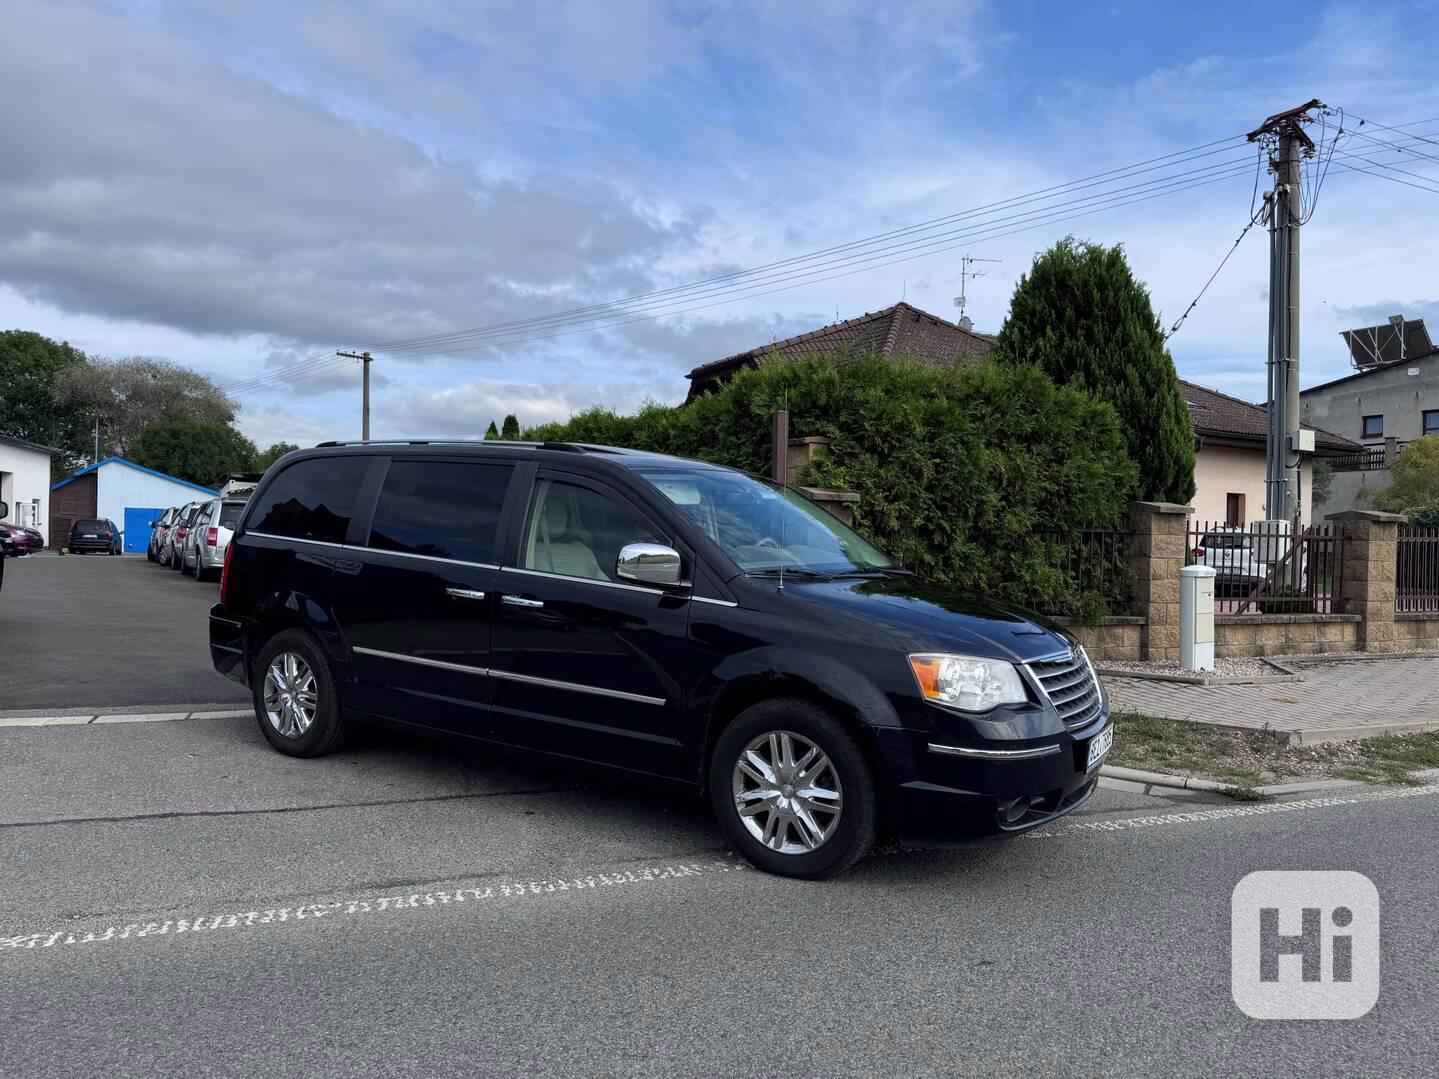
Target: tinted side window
[[312, 499], [447, 510], [230, 514], [576, 532]]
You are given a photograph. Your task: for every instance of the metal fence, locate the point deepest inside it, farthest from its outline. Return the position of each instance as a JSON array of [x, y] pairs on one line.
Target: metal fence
[[1092, 565], [1363, 461], [1262, 568], [1416, 581]]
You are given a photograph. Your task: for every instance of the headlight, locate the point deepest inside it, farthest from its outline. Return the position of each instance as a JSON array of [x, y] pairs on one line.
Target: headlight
[[975, 685]]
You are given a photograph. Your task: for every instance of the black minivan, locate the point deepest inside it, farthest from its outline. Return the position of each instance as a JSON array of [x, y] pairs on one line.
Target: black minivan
[[665, 618]]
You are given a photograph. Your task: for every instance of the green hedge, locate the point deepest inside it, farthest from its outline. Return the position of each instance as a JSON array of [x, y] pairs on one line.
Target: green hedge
[[971, 475]]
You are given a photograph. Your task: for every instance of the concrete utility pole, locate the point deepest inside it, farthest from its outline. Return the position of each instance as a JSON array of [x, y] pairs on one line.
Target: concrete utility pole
[[1283, 135], [365, 359]]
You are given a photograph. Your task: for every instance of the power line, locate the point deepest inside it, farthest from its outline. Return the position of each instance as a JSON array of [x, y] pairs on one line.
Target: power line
[[525, 339], [823, 271], [1233, 248], [1165, 161]]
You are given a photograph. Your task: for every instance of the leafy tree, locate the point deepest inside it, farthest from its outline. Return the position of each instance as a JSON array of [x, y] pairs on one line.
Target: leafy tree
[[131, 394], [31, 366], [1415, 475], [203, 453], [511, 428], [268, 457], [1081, 317], [491, 432], [973, 475]]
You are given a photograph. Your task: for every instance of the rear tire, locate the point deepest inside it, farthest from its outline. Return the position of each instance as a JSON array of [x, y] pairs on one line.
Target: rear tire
[[296, 703], [787, 831]]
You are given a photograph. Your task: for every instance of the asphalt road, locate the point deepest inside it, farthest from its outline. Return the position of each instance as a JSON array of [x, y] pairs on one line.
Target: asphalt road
[[100, 633], [412, 909]]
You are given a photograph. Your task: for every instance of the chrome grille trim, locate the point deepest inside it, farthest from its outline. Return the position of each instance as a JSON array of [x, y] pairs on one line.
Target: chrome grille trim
[[1069, 684]]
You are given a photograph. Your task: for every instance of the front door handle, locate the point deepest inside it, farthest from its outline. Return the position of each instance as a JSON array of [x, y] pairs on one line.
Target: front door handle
[[465, 593], [520, 601]]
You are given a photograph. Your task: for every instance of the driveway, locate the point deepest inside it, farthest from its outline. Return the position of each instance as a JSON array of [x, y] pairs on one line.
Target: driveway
[[100, 633]]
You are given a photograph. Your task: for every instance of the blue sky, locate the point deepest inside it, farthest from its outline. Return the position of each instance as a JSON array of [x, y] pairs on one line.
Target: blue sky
[[240, 187]]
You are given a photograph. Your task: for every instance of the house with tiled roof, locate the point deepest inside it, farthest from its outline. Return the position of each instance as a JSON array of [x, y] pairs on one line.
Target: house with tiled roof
[[900, 332], [1229, 432], [1229, 465]]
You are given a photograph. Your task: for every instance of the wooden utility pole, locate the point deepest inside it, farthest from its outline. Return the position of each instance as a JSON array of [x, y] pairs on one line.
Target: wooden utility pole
[[365, 359]]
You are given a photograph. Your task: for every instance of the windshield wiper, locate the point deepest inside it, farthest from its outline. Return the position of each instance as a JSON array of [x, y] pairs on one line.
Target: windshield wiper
[[878, 571], [790, 571]]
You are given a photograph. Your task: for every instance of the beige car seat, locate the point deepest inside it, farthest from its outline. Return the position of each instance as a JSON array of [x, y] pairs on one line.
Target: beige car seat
[[556, 550]]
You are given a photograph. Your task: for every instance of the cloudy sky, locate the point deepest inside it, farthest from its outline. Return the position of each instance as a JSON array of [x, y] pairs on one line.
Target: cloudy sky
[[243, 187]]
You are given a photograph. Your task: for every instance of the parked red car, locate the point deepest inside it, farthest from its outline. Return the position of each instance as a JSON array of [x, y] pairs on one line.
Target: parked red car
[[18, 541]]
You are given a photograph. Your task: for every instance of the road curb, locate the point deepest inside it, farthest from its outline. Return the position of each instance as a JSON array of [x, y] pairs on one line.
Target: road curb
[[137, 715], [1135, 777]]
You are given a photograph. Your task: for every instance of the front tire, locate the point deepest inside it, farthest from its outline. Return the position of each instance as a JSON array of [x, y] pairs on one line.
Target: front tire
[[793, 790], [296, 704]]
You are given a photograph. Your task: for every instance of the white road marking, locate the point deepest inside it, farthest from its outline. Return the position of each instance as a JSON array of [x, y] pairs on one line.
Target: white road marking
[[515, 891], [142, 717], [43, 721], [510, 891], [121, 717]]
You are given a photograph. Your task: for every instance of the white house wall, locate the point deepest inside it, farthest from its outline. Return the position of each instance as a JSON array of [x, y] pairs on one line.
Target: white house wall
[[1222, 470], [118, 486], [25, 477]]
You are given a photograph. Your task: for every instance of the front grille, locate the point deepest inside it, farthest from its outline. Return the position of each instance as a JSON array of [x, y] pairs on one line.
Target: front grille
[[1071, 687]]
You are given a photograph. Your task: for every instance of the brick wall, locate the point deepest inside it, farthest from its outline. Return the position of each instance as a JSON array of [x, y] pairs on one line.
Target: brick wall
[[1416, 632], [1113, 639], [74, 501], [1284, 634]]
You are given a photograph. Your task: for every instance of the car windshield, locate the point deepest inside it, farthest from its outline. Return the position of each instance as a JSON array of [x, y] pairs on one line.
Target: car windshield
[[764, 527]]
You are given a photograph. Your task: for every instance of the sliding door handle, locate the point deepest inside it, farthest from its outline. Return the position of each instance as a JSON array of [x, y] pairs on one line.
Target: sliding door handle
[[465, 593], [520, 601]]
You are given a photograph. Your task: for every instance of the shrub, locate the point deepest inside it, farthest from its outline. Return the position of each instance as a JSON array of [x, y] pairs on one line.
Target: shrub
[[964, 474]]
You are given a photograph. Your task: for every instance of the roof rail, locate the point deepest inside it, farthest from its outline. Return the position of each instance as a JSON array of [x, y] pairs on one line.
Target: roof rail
[[418, 442]]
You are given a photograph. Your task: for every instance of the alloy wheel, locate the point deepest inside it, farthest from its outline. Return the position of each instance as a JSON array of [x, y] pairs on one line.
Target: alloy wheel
[[291, 695], [787, 792]]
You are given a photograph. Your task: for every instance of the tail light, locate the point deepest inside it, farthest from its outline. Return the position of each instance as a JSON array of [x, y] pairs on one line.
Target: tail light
[[225, 573], [212, 537], [182, 532], [1199, 552]]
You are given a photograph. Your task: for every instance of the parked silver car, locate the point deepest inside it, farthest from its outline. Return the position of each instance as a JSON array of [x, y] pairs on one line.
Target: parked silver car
[[173, 550], [209, 534]]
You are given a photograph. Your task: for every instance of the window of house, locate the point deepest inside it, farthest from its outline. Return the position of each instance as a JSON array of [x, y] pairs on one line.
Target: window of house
[[312, 499], [441, 509], [1373, 427], [1431, 422]]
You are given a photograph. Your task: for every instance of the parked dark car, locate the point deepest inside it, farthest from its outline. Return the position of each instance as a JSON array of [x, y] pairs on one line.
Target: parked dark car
[[4, 547], [666, 619], [94, 536]]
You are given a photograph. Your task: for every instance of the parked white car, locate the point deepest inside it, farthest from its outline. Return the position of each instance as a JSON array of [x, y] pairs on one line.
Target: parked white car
[[1243, 559], [209, 535]]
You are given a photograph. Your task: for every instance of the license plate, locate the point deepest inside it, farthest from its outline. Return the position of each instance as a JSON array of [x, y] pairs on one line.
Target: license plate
[[1099, 747], [89, 535]]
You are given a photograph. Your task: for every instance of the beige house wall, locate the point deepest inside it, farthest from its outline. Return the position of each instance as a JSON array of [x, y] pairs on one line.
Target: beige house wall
[[1220, 470]]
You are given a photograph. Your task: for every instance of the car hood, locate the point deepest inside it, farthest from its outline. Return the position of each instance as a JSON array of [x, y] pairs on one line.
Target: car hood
[[926, 617]]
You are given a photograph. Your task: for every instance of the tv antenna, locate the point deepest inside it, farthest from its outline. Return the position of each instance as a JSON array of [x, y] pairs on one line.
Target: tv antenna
[[965, 274]]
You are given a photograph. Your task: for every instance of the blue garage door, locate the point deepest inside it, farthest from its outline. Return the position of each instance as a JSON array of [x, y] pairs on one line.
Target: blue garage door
[[137, 528]]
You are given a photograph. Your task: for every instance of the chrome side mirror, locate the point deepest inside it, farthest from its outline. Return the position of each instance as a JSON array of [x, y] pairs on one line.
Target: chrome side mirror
[[649, 563]]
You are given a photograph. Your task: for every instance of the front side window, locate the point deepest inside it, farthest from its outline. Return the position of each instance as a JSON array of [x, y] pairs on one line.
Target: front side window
[[440, 509], [1373, 426], [763, 526], [576, 532], [312, 499]]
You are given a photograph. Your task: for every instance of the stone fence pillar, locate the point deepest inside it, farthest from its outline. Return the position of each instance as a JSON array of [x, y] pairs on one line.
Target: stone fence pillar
[[1367, 571], [1156, 557]]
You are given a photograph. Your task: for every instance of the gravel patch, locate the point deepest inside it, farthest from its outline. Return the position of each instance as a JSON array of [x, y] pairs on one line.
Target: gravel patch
[[1226, 667]]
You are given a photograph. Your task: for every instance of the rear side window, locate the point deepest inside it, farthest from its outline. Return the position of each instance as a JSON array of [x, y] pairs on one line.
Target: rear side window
[[230, 514], [441, 509], [312, 499], [92, 526]]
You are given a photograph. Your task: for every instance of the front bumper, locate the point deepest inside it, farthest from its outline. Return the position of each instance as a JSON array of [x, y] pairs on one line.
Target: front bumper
[[946, 798]]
